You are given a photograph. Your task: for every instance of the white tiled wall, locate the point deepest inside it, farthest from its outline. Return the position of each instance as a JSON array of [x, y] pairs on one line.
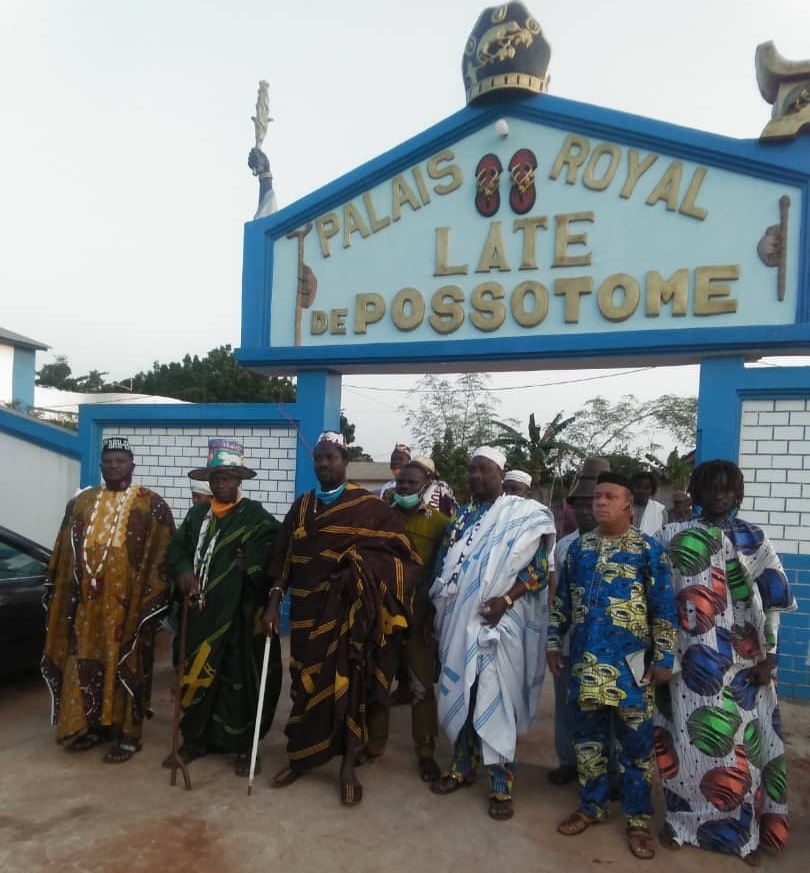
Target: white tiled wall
[[164, 455], [775, 459]]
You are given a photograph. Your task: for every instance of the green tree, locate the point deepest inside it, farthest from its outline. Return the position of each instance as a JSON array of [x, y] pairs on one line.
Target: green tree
[[674, 471], [59, 375], [356, 453], [541, 453], [214, 378], [463, 408], [56, 375], [452, 462], [630, 427]]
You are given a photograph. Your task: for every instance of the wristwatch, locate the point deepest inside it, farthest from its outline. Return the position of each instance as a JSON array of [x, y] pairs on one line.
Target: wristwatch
[[509, 602]]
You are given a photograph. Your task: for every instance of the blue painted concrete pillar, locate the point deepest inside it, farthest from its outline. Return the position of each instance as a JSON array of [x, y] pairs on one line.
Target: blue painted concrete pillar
[[317, 398], [719, 409], [23, 377]]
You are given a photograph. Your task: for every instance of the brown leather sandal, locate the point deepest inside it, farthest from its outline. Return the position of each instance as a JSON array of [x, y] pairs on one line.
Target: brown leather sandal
[[577, 823], [641, 843]]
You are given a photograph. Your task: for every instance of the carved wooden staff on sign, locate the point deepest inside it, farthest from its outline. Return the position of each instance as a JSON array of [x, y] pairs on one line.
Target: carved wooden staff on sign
[[307, 282], [772, 248]]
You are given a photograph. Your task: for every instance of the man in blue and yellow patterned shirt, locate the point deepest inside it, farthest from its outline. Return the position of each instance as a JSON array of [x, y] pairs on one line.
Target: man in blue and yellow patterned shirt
[[615, 595]]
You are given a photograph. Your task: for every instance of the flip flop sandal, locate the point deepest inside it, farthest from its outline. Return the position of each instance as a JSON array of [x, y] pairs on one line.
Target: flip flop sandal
[[450, 781], [120, 753], [501, 808], [641, 843], [576, 823], [286, 777], [84, 742], [521, 169], [487, 178], [242, 765]]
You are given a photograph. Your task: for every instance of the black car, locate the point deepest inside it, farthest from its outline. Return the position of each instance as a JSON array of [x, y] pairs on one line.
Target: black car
[[23, 564]]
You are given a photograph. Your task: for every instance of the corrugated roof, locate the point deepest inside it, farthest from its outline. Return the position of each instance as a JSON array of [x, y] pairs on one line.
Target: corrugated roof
[[10, 338]]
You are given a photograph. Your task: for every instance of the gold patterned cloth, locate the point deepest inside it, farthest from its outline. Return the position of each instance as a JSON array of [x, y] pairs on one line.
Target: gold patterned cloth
[[106, 590]]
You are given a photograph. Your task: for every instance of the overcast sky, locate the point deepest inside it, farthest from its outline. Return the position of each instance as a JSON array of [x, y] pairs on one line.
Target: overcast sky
[[126, 128]]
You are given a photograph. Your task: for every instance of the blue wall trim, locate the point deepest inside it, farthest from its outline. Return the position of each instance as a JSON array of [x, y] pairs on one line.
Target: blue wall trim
[[40, 433], [620, 348], [94, 417]]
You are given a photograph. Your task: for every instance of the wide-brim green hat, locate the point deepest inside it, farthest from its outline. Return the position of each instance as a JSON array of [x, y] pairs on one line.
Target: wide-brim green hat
[[225, 455]]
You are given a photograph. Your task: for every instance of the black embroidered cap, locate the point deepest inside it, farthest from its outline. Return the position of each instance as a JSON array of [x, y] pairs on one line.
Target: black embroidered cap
[[505, 51], [116, 444]]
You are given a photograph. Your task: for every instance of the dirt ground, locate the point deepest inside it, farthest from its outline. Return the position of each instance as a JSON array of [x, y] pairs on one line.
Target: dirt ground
[[75, 814]]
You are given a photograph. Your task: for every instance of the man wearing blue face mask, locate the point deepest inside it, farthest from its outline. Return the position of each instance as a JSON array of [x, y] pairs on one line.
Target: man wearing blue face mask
[[425, 527]]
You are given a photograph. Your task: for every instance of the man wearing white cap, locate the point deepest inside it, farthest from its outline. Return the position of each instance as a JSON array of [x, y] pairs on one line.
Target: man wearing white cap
[[492, 566], [200, 493], [517, 483]]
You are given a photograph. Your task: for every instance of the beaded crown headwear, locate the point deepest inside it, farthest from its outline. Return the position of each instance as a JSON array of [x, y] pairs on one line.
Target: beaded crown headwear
[[223, 454]]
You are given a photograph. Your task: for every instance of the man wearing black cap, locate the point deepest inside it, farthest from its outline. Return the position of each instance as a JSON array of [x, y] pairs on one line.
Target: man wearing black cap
[[616, 597], [106, 590], [581, 502]]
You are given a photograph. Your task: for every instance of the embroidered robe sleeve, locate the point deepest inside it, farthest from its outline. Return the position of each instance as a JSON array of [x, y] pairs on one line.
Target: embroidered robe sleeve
[[661, 607], [560, 608]]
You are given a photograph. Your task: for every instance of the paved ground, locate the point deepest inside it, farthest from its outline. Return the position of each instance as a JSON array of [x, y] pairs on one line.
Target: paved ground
[[74, 814]]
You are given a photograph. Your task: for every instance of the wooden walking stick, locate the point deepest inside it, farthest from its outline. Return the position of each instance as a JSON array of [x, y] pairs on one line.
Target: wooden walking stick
[[259, 710], [175, 760]]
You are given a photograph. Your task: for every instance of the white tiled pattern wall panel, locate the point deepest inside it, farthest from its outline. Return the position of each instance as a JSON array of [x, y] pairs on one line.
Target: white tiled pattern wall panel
[[164, 455], [775, 458]]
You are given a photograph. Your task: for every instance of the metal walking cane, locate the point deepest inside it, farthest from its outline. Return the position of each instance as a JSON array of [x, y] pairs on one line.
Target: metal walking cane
[[259, 709], [175, 760]]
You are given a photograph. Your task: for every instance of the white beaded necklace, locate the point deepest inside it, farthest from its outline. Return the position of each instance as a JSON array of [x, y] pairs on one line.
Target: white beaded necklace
[[95, 573], [202, 558]]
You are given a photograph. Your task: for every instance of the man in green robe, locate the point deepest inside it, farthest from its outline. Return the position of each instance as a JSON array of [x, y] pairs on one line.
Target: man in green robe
[[218, 559]]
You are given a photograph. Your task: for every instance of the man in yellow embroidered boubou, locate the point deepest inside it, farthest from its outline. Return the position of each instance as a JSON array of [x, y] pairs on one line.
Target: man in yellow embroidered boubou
[[105, 594], [218, 558]]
